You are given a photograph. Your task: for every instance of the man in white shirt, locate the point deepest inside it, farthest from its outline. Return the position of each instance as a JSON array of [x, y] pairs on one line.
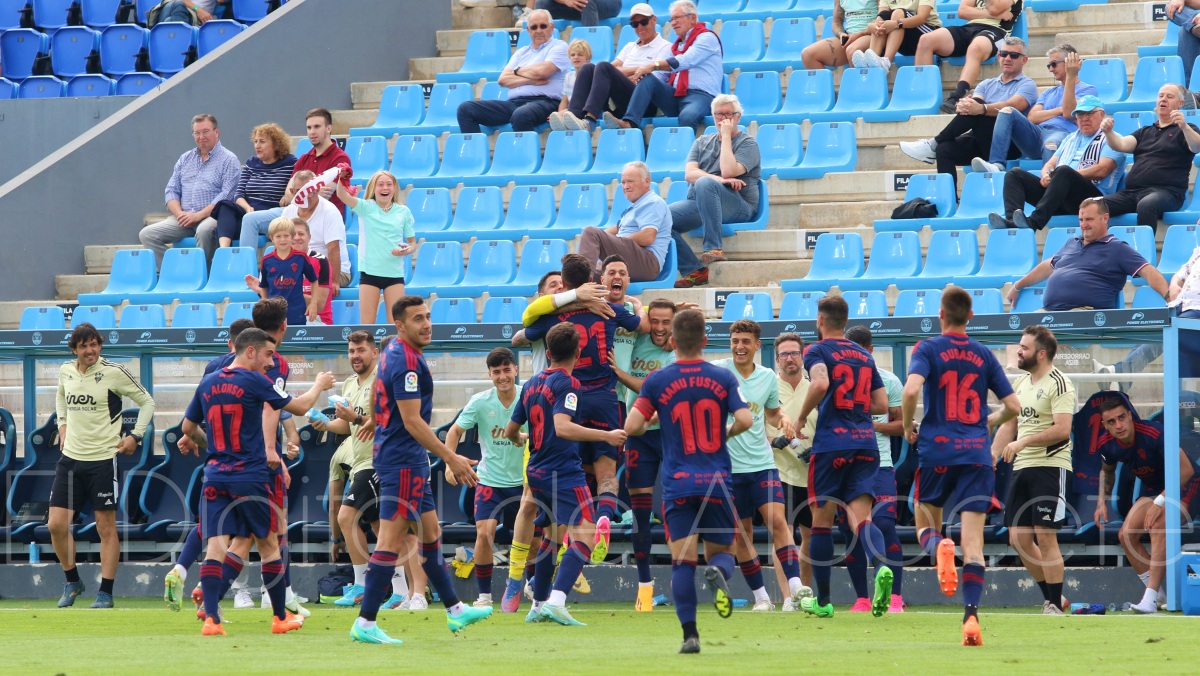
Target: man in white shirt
[[327, 229]]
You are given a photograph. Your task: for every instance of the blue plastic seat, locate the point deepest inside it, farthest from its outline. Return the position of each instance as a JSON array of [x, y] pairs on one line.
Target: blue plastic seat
[[50, 15], [860, 90], [894, 256], [668, 150], [302, 146], [756, 306], [1152, 73], [838, 256], [490, 267], [43, 319], [759, 94], [742, 42], [11, 12], [227, 277], [530, 211], [368, 154], [136, 84], [132, 272], [1146, 297], [42, 87], [615, 148], [814, 9], [1055, 239], [8, 89], [1125, 123], [477, 212], [951, 253], [538, 256], [1187, 214], [99, 316], [194, 315], [19, 48], [918, 303], [1140, 237], [215, 33], [439, 264], [619, 204], [143, 317], [492, 91], [580, 206], [89, 85], [1008, 256], [1108, 76], [452, 311], [1178, 244], [516, 153], [937, 188], [400, 107], [789, 37], [666, 273], [599, 38], [431, 209], [96, 13], [780, 146], [832, 146], [70, 48], [800, 305], [523, 39], [487, 54], [236, 311], [119, 47], [442, 113], [463, 155], [169, 45], [916, 91], [986, 301], [182, 271], [676, 192], [712, 10], [982, 194], [345, 311], [1168, 46], [1029, 299], [567, 153], [503, 310], [866, 304], [415, 156], [809, 91], [249, 11]]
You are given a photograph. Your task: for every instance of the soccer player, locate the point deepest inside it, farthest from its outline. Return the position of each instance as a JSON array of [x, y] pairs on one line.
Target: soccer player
[[1038, 444], [501, 469], [692, 399], [1139, 444], [230, 403], [846, 385], [88, 406], [956, 373], [883, 514], [755, 484], [403, 441], [549, 404]]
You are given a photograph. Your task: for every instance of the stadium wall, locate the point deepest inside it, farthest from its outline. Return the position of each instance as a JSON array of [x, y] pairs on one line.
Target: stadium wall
[[32, 129], [98, 187]]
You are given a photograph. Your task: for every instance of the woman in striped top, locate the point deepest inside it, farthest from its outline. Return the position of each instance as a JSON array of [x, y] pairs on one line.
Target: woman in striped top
[[264, 179]]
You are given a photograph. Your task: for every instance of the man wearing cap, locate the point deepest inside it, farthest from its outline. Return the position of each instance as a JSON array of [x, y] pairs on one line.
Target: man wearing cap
[[1082, 167], [598, 83], [588, 11]]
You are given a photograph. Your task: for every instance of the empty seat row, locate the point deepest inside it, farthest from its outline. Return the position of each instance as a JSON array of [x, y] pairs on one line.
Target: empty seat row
[[496, 310], [52, 15], [50, 87]]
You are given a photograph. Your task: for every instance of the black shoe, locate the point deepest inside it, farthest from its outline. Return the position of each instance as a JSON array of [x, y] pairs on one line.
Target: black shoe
[[998, 222], [691, 646], [949, 104], [1020, 220]]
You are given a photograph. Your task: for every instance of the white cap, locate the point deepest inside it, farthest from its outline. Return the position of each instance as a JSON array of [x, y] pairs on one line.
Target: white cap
[[641, 9]]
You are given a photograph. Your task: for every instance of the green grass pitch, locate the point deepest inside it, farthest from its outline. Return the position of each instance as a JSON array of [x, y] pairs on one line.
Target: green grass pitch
[[141, 636]]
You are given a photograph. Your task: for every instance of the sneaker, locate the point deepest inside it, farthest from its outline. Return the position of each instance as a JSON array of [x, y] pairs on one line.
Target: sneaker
[[529, 590], [242, 600], [613, 122], [897, 604], [524, 17], [719, 586], [372, 635], [810, 606], [1097, 367], [790, 606], [394, 601], [800, 592], [484, 601], [697, 277], [212, 628], [763, 606], [559, 614], [947, 573], [882, 598], [983, 166], [713, 256], [645, 599], [1021, 220], [572, 123], [103, 600], [998, 222], [70, 591], [512, 596], [172, 590], [1144, 608], [582, 586], [1050, 609], [417, 602], [295, 608], [924, 150], [198, 597], [885, 63], [352, 596], [290, 622], [556, 121], [468, 616], [859, 59], [862, 605], [603, 534], [299, 599], [876, 61], [950, 104], [691, 646], [533, 617], [971, 633]]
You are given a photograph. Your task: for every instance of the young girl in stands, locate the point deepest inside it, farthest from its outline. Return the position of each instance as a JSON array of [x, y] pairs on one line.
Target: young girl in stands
[[386, 237], [283, 272], [579, 52]]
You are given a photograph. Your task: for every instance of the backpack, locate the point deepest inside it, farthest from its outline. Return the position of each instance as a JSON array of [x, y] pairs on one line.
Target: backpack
[[918, 207], [331, 585]]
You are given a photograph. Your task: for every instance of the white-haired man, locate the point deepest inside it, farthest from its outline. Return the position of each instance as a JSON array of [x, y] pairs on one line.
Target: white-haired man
[[643, 234]]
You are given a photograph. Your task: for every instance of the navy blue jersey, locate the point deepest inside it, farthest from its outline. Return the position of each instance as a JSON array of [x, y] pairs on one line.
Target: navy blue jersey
[[1145, 457], [403, 374], [693, 399], [844, 416], [277, 372], [543, 396], [285, 277], [596, 334], [230, 404], [958, 373]]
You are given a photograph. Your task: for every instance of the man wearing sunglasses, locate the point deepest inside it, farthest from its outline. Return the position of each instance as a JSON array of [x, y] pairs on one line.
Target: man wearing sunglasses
[[588, 11], [969, 134], [534, 78], [1049, 120], [988, 22]]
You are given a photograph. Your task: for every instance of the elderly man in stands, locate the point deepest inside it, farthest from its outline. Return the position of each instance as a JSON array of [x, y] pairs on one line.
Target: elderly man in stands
[[1162, 159], [588, 11], [969, 134], [695, 75], [598, 83], [723, 169], [1082, 167], [988, 22], [203, 177], [1089, 272], [534, 77], [642, 235]]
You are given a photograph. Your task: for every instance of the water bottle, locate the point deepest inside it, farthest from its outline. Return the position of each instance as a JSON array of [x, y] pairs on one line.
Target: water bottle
[[740, 603], [661, 600], [338, 399], [35, 553], [1112, 608], [315, 415]]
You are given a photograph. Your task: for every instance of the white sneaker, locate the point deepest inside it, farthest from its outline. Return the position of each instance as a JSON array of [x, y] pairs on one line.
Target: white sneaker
[[295, 608], [860, 59], [529, 589], [300, 599], [790, 606], [418, 602], [1097, 367], [484, 601], [523, 17], [242, 600], [800, 592], [872, 59], [983, 166], [264, 598], [1050, 609], [1144, 608], [763, 607], [924, 150]]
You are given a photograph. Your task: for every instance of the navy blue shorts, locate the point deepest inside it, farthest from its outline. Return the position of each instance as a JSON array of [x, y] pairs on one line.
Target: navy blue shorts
[[404, 493], [752, 490], [885, 492], [713, 518], [974, 486], [599, 410], [564, 505], [497, 503], [842, 475], [643, 458], [237, 508]]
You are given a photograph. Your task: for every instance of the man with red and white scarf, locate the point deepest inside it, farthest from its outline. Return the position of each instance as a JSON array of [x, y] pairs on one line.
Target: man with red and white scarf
[[696, 75]]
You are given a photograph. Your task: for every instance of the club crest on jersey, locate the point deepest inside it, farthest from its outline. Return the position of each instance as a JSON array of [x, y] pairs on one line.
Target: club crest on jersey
[[572, 401], [99, 376], [279, 384], [410, 382]]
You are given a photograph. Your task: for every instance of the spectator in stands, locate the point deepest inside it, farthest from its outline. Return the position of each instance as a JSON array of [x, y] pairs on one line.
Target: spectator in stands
[[317, 294], [969, 134], [1162, 159], [1089, 272], [897, 30], [642, 235], [264, 179], [386, 235], [579, 52], [202, 178], [597, 84], [327, 229], [988, 22], [534, 78], [194, 12], [723, 169], [1082, 167], [851, 35], [696, 75], [1036, 135], [325, 155], [283, 273], [590, 12], [1186, 15]]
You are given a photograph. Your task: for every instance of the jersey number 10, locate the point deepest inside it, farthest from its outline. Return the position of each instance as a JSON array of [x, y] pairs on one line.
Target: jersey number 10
[[701, 428]]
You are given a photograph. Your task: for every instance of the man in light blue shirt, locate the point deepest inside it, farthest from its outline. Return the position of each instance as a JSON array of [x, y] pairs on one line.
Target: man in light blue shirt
[[643, 234], [534, 78], [696, 75]]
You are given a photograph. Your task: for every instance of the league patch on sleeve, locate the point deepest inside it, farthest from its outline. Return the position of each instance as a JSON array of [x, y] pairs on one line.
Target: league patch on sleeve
[[571, 402], [279, 387], [410, 382]]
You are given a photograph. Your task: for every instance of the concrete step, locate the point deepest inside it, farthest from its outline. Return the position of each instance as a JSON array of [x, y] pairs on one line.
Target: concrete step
[[1124, 43], [10, 318], [1112, 16], [756, 273], [97, 259], [68, 287], [344, 119], [427, 67], [498, 15], [366, 95]]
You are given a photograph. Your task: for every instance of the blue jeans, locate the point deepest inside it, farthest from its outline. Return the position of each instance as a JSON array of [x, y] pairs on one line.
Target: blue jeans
[[176, 11], [1141, 356], [525, 113], [590, 15], [1031, 139], [257, 223], [1189, 45], [712, 203], [691, 109]]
